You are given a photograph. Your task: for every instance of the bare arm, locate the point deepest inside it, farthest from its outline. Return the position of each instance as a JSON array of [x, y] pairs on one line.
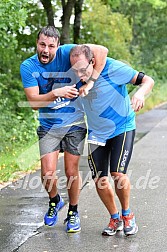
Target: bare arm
[[100, 53], [37, 100], [138, 98]]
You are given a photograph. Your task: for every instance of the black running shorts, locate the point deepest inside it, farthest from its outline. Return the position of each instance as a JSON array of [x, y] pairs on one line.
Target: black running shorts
[[115, 154]]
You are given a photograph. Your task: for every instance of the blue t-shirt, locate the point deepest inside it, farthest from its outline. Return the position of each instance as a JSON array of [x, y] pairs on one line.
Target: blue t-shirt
[[62, 112], [107, 105]]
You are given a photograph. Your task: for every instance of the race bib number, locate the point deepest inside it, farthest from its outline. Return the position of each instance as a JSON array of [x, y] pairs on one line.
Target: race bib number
[[60, 102]]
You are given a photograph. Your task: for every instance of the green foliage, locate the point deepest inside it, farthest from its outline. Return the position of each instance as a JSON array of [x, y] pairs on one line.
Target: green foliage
[[18, 124], [155, 39], [19, 160], [12, 18], [101, 26], [36, 18], [111, 3], [149, 43]]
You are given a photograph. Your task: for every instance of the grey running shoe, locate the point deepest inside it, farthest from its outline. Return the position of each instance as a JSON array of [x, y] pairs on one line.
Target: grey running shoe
[[130, 227], [114, 226]]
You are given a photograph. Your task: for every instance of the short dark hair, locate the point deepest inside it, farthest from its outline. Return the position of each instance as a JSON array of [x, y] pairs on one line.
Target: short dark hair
[[82, 49], [49, 31]]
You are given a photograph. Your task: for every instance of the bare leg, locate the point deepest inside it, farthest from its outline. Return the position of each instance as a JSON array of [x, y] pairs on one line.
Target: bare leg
[[106, 194], [73, 177], [122, 188], [48, 170]]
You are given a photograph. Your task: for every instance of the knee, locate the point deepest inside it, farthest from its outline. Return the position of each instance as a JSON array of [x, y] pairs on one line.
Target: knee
[[72, 172], [48, 175], [102, 182], [120, 180]]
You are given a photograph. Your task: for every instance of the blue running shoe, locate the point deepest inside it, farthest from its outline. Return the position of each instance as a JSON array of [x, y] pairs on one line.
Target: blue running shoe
[[130, 227], [73, 222], [51, 217]]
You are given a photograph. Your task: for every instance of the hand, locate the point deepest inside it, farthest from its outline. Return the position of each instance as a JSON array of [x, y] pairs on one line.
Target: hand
[[84, 90], [66, 92], [137, 101]]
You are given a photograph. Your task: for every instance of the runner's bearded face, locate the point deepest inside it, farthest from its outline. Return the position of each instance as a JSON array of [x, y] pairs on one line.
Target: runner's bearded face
[[46, 48]]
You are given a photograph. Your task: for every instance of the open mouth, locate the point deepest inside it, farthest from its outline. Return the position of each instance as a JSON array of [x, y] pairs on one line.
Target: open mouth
[[44, 58], [83, 79]]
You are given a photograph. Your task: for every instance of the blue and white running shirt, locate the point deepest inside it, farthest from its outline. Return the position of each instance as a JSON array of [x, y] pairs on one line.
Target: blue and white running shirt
[[107, 105], [62, 112]]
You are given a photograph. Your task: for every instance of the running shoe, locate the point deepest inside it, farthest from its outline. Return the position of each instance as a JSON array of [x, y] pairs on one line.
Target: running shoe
[[114, 226], [130, 227], [51, 217], [73, 222]]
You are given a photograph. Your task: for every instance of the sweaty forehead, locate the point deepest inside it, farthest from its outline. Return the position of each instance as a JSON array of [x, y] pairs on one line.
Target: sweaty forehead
[[78, 59], [77, 63], [48, 40]]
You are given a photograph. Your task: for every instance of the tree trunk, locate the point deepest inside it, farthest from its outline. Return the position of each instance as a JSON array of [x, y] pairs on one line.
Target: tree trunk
[[49, 11], [65, 19], [77, 20]]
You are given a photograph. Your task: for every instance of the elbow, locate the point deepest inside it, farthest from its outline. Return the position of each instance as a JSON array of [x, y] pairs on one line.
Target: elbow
[[34, 108], [151, 83], [105, 49], [33, 105]]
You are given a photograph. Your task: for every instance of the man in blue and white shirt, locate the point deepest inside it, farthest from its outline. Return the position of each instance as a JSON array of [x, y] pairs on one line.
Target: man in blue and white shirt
[[111, 129], [50, 88]]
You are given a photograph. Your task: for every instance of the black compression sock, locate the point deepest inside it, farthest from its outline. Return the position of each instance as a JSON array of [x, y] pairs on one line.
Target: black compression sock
[[72, 208], [55, 199]]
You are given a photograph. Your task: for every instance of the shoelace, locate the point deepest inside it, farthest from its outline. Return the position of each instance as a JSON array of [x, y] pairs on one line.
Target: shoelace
[[126, 220], [70, 218], [51, 210], [113, 223]]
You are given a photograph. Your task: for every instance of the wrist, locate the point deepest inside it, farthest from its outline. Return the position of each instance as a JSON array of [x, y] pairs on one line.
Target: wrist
[[89, 85], [54, 93], [92, 79]]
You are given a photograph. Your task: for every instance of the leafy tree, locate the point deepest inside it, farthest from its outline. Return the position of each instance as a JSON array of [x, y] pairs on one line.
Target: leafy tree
[[47, 4], [12, 19], [77, 20], [148, 21], [69, 8], [101, 26]]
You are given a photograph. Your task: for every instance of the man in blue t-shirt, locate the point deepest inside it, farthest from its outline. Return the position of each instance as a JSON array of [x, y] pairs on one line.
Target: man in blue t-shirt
[[111, 129], [49, 87]]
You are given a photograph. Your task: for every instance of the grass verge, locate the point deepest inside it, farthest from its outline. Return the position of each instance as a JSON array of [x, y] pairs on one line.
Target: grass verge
[[21, 159]]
